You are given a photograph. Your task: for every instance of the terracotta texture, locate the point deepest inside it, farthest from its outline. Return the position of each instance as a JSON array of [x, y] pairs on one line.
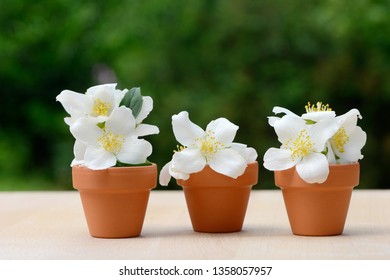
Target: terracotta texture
[[218, 203], [115, 199], [318, 209]]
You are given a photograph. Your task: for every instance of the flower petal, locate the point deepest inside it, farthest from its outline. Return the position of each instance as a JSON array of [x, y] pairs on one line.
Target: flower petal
[[146, 129], [314, 168], [134, 151], [98, 158], [184, 130], [85, 130], [228, 162], [164, 176], [317, 116], [98, 88], [330, 155], [278, 159], [74, 102], [79, 149], [104, 93], [349, 119], [279, 110], [248, 153], [177, 174], [223, 130], [352, 149], [75, 115], [189, 161], [147, 107], [322, 131], [289, 127], [273, 120], [121, 121]]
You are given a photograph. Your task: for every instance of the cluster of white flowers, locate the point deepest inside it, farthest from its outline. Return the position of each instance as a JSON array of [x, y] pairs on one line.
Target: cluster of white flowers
[[314, 140], [107, 123], [214, 147], [106, 130]]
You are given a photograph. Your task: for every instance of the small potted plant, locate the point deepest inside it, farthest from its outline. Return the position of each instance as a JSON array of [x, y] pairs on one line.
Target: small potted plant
[[216, 174], [316, 166], [110, 169]]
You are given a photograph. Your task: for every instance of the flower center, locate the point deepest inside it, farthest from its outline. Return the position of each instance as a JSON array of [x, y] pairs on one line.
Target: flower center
[[340, 139], [209, 145], [318, 107], [111, 142], [100, 108], [301, 146]]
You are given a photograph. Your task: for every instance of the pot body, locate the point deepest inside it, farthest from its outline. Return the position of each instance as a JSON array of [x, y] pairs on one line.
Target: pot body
[[218, 203], [318, 209], [115, 199]]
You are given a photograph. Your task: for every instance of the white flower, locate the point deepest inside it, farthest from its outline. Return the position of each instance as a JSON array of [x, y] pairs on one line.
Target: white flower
[[314, 140], [116, 141], [347, 142], [97, 103], [214, 147], [94, 109], [302, 146]]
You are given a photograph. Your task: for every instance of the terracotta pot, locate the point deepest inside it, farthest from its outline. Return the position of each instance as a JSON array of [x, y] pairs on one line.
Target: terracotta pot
[[115, 199], [318, 209], [218, 203]]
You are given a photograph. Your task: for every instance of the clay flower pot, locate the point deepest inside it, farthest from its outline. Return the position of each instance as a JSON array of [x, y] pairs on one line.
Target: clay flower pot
[[218, 203], [318, 209], [115, 199]]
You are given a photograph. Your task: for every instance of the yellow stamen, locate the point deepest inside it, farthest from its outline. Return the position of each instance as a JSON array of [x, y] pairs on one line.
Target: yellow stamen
[[179, 148], [319, 107], [300, 146], [101, 108], [111, 142], [209, 145], [340, 139]]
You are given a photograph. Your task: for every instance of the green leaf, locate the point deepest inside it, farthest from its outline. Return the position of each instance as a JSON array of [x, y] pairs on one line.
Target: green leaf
[[133, 100]]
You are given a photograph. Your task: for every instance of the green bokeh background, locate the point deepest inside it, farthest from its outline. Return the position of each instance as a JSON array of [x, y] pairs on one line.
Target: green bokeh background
[[235, 59]]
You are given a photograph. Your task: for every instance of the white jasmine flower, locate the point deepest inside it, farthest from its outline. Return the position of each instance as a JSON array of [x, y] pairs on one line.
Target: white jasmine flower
[[349, 139], [314, 140], [116, 141], [97, 103], [214, 147], [302, 147]]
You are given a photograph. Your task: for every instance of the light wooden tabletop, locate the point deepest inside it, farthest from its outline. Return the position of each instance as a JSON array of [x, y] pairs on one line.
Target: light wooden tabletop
[[51, 225]]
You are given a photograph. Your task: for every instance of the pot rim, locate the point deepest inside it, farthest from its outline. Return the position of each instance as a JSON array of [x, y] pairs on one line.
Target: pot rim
[[340, 176], [118, 179]]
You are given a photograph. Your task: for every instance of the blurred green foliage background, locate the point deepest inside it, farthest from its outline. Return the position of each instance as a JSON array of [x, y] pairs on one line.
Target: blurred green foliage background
[[235, 59]]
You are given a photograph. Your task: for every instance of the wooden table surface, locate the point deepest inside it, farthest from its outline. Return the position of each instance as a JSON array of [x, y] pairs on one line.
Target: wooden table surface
[[51, 225]]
